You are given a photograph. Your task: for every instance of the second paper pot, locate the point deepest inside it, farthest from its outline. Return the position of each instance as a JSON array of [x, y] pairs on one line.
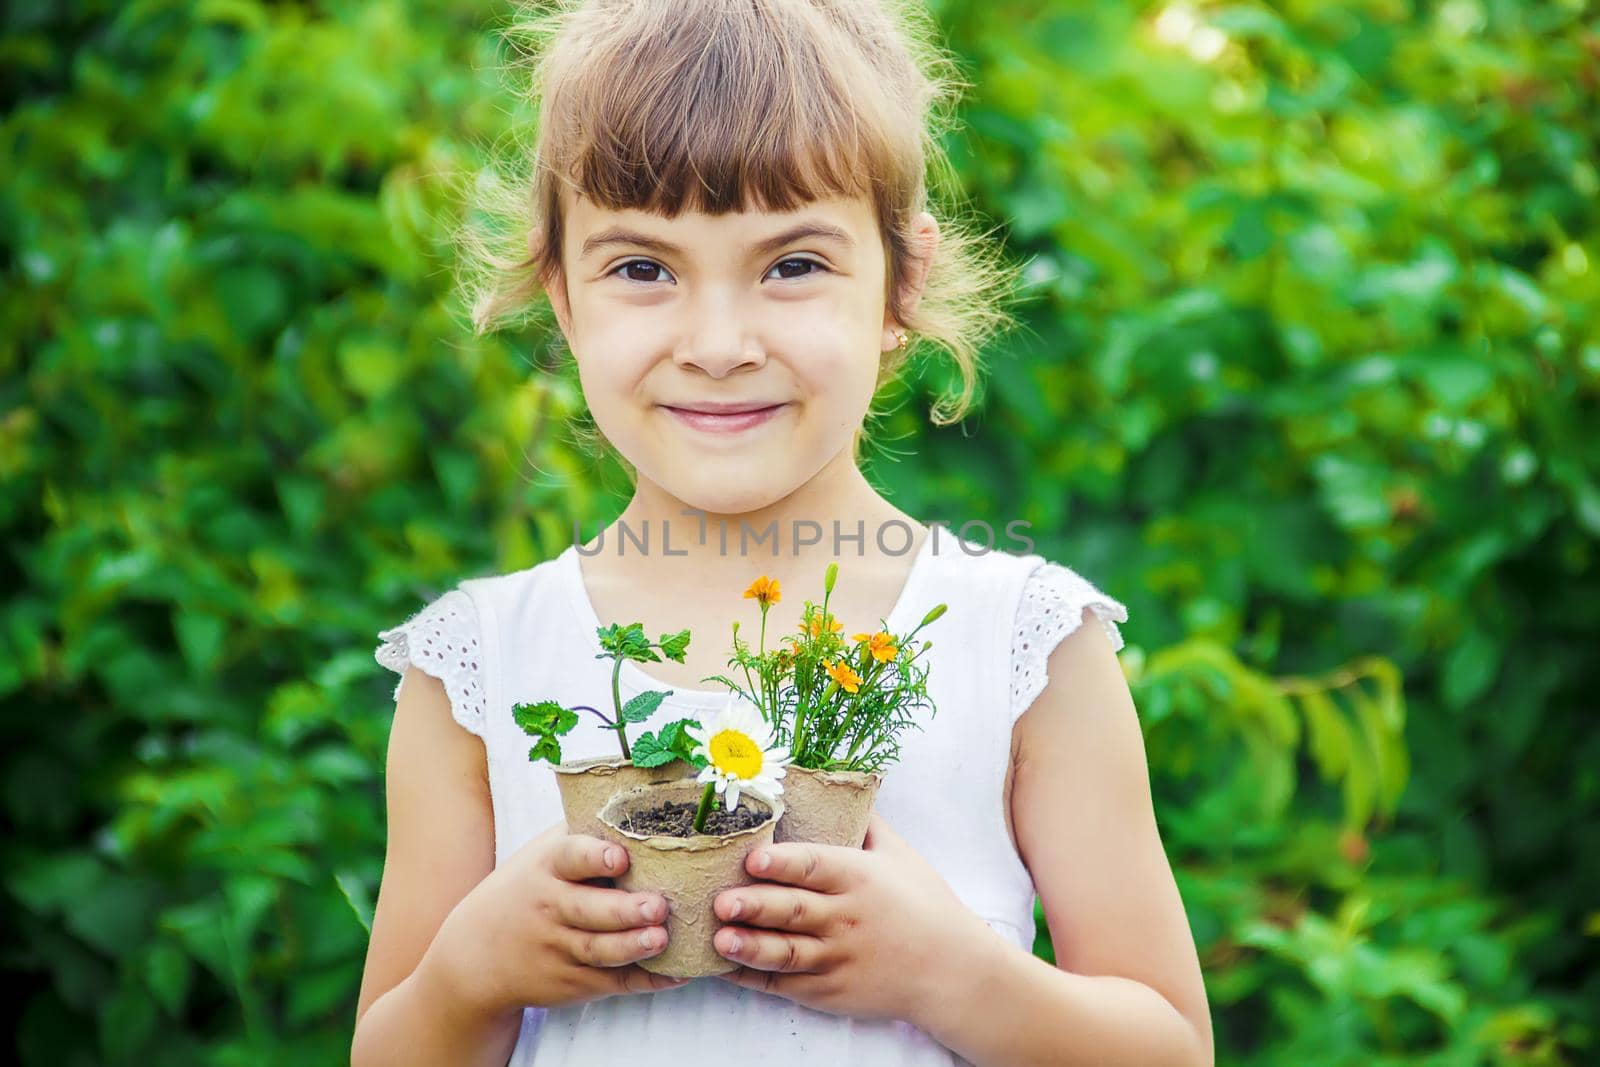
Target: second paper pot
[[586, 784], [827, 807], [689, 871]]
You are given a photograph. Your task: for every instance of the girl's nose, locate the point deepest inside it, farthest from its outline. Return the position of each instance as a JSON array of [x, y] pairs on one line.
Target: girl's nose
[[719, 350], [715, 336]]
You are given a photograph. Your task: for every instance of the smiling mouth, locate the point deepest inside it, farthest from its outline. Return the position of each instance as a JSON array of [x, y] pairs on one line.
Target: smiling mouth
[[730, 422]]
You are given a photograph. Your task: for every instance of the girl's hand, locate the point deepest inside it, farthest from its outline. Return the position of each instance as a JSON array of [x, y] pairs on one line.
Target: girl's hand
[[538, 931], [865, 932]]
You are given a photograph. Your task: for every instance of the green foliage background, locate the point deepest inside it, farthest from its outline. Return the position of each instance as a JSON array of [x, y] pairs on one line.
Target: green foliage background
[[1308, 379]]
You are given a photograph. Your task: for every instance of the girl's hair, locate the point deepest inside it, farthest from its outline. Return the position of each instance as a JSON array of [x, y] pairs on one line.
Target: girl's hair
[[710, 105]]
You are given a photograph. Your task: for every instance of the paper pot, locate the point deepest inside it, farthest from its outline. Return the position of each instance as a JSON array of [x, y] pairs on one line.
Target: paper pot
[[688, 871], [827, 807], [587, 784]]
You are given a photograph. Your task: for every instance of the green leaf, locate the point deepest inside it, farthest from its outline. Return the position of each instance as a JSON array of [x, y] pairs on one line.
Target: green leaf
[[547, 748], [644, 705], [648, 752], [1360, 784], [1469, 667], [1329, 732], [1390, 761], [372, 368], [357, 896], [671, 732], [169, 972], [675, 737], [201, 635], [620, 640], [127, 1020], [545, 717], [673, 645]]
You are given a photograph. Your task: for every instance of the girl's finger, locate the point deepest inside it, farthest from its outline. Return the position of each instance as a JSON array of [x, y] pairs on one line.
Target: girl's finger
[[635, 979], [585, 907], [777, 908], [590, 948], [766, 950], [824, 868], [580, 856]]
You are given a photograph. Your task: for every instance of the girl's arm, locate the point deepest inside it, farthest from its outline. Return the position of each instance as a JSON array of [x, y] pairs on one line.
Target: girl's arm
[[1126, 990], [440, 846]]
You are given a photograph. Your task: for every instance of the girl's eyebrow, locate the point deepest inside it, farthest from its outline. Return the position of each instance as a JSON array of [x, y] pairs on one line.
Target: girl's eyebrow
[[618, 235]]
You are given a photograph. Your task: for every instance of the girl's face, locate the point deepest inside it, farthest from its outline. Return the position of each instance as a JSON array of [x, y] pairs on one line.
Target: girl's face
[[783, 312]]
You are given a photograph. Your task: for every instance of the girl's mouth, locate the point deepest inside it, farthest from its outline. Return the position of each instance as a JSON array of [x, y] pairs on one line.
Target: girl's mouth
[[735, 423]]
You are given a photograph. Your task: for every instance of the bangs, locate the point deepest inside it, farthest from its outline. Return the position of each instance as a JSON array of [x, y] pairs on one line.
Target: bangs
[[722, 107]]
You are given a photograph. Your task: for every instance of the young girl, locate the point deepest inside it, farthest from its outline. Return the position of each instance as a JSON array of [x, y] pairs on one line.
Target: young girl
[[728, 215]]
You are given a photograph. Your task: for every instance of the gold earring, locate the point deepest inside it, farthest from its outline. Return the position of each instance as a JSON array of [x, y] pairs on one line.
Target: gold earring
[[901, 337]]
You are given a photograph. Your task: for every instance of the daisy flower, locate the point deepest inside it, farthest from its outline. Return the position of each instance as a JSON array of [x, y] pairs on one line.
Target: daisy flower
[[737, 745]]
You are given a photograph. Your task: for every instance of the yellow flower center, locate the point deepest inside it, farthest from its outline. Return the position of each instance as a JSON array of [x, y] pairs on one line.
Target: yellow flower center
[[735, 753]]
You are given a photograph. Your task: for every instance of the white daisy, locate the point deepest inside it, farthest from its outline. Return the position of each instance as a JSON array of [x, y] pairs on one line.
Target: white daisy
[[737, 743]]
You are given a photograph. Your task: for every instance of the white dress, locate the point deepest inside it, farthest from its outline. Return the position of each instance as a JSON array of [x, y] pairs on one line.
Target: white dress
[[530, 635]]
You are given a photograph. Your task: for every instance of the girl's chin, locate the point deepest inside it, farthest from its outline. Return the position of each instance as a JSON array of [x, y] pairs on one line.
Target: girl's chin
[[703, 491]]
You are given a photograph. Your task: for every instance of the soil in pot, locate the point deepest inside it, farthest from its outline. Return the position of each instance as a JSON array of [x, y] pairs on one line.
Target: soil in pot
[[676, 819], [689, 869]]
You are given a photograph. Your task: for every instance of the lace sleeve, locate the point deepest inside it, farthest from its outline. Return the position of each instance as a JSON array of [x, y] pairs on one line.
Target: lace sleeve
[[441, 639], [1051, 607]]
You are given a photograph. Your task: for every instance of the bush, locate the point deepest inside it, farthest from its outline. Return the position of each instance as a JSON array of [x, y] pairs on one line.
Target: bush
[[1308, 379]]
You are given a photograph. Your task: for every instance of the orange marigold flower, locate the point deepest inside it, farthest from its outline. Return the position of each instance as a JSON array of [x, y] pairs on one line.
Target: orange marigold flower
[[880, 644], [814, 627], [848, 679], [764, 590]]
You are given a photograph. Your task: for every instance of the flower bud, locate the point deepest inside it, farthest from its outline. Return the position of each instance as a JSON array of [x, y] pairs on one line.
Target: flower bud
[[934, 614], [829, 577]]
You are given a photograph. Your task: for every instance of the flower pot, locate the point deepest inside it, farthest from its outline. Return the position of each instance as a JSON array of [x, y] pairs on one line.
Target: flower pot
[[827, 807], [689, 871], [586, 785]]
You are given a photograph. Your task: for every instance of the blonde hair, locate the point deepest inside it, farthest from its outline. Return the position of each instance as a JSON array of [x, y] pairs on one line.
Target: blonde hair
[[709, 105]]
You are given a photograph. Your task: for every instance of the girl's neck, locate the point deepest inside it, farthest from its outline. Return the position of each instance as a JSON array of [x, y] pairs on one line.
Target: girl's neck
[[836, 515]]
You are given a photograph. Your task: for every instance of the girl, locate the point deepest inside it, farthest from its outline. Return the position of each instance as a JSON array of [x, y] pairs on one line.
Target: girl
[[728, 218]]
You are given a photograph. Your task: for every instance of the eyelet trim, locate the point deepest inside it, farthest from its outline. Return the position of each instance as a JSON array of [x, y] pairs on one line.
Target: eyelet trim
[[442, 639], [1051, 607]]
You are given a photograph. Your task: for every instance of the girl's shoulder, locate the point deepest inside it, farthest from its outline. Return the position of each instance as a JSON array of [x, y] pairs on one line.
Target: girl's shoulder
[[1053, 602], [1042, 600]]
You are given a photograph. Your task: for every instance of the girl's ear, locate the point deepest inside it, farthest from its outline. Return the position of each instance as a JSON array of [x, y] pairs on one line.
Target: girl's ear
[[925, 242], [556, 291]]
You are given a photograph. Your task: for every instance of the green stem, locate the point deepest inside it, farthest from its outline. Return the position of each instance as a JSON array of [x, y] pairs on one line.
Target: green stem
[[745, 666], [844, 727], [761, 655], [616, 698], [827, 695], [705, 807], [799, 727]]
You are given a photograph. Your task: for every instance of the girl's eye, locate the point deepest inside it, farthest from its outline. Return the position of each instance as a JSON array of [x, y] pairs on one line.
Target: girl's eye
[[806, 262], [642, 264], [645, 265]]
